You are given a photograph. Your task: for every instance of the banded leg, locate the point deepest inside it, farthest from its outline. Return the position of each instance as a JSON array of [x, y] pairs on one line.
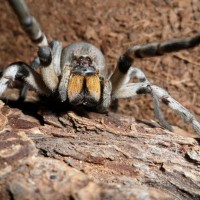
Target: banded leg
[[134, 71], [28, 22], [50, 61], [23, 92], [23, 72], [185, 114], [150, 50], [32, 28], [134, 89], [56, 48]]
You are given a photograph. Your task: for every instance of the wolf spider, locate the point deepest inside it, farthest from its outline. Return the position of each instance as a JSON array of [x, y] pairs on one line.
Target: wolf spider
[[78, 73]]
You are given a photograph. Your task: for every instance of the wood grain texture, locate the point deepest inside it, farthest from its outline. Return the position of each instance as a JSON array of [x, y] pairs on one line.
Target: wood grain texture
[[94, 156]]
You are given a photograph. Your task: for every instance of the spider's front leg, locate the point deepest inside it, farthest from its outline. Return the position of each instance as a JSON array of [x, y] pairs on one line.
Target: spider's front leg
[[121, 76], [49, 54], [50, 63], [149, 50], [28, 22]]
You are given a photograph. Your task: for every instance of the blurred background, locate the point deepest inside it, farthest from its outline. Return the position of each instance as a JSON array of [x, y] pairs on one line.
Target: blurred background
[[113, 26]]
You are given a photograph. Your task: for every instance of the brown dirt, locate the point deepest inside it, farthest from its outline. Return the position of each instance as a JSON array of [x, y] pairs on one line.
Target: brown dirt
[[114, 26]]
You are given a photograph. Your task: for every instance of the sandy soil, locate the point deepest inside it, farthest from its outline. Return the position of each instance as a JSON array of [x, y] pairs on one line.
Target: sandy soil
[[114, 26]]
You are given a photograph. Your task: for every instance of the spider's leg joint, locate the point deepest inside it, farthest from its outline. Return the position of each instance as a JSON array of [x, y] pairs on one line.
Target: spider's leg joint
[[45, 56], [143, 90], [165, 100], [124, 63]]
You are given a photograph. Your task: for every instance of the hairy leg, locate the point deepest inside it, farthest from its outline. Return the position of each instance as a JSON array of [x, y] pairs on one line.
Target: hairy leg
[[185, 114], [134, 89], [23, 92], [151, 50], [28, 22], [50, 63], [49, 54], [134, 71], [22, 71], [122, 73]]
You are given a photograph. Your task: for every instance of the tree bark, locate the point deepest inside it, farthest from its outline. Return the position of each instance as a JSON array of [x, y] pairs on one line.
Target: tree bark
[[86, 155]]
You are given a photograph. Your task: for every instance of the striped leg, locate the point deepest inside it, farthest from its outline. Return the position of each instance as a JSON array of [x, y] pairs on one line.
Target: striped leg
[[28, 22], [23, 92], [121, 75], [32, 28], [23, 72], [50, 60], [56, 49], [144, 87], [150, 50], [185, 114], [139, 88]]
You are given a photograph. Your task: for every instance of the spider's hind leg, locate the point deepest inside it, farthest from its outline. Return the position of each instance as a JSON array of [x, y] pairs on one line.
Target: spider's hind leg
[[185, 114], [158, 94], [126, 89], [120, 78]]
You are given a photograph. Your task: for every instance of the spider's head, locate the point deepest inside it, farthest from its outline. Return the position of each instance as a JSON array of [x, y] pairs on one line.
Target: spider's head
[[83, 66], [84, 85]]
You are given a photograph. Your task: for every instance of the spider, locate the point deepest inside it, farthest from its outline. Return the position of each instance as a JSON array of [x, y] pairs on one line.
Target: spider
[[78, 73]]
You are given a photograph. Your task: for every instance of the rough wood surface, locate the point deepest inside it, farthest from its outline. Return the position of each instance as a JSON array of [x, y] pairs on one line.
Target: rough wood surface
[[114, 26], [94, 156]]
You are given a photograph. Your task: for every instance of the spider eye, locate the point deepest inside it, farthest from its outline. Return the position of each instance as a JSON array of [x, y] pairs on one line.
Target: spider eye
[[81, 58], [84, 60], [89, 60]]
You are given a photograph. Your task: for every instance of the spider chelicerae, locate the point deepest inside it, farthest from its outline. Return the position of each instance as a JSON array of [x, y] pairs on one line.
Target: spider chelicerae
[[78, 72]]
